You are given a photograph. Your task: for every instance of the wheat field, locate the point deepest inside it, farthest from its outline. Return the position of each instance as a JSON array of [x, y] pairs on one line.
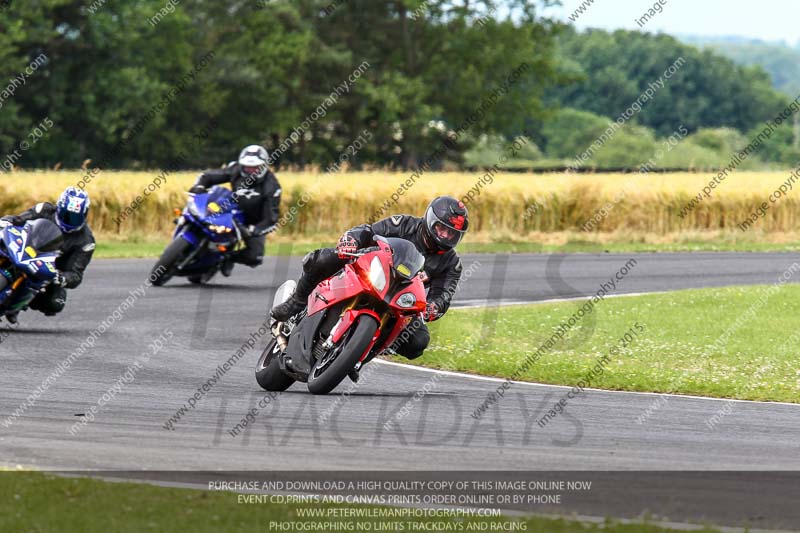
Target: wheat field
[[513, 206]]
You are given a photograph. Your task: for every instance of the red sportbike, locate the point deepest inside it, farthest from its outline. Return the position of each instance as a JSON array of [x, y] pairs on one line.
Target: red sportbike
[[350, 318]]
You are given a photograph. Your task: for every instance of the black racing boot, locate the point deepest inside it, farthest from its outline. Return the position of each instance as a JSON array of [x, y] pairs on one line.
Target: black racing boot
[[288, 309], [297, 301], [12, 317]]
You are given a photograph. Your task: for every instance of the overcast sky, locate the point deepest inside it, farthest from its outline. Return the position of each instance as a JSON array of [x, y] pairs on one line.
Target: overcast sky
[[769, 20]]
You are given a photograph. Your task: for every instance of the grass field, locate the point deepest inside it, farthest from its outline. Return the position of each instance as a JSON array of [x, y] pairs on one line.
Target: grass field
[[34, 502], [677, 350], [511, 208]]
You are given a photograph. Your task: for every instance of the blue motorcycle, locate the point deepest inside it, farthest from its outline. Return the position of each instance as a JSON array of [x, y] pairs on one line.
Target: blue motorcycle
[[206, 235], [27, 262]]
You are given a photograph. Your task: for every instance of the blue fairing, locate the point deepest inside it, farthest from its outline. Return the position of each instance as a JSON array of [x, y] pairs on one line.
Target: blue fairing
[[215, 209], [30, 252]]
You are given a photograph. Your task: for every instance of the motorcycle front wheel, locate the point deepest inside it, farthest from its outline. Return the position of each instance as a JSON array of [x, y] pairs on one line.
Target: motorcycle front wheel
[[333, 367], [164, 268]]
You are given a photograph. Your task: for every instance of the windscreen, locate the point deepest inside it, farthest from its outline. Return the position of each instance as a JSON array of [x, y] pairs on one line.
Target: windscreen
[[407, 259], [43, 235], [222, 198]]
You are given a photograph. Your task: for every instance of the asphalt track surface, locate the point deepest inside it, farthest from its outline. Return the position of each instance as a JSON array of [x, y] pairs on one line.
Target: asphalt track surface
[[344, 432]]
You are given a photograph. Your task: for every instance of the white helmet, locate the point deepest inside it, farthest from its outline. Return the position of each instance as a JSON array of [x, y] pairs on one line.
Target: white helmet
[[253, 161]]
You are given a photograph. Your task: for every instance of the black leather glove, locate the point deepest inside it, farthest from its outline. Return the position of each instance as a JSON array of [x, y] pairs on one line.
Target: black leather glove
[[247, 231], [14, 220], [431, 312], [347, 245], [197, 189], [59, 280]]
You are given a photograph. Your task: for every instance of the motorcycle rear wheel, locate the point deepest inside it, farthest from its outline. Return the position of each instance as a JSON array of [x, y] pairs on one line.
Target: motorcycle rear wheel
[[349, 353], [268, 371]]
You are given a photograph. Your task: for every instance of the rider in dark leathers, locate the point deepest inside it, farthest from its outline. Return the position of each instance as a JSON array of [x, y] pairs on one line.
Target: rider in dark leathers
[[76, 251], [434, 235], [258, 194]]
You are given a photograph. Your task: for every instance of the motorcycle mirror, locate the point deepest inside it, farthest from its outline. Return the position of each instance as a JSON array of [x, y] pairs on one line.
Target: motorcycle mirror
[[383, 243]]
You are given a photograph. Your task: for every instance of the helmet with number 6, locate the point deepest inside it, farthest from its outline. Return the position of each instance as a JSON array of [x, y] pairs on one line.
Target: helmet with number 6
[[253, 162], [72, 209], [446, 222]]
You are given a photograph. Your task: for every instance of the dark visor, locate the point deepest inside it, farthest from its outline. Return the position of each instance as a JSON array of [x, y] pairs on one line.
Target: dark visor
[[72, 220]]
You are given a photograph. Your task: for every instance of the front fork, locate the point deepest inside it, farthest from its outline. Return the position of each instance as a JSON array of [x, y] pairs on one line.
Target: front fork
[[346, 321], [201, 245], [9, 291]]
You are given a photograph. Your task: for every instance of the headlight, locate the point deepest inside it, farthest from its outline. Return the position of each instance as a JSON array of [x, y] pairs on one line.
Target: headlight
[[376, 274], [406, 300], [193, 210], [219, 229]]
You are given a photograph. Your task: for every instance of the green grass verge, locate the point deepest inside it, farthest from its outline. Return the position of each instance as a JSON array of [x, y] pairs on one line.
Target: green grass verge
[[35, 502], [676, 352], [152, 248]]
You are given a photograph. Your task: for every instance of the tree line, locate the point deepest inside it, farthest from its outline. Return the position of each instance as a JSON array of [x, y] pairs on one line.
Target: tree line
[[129, 83]]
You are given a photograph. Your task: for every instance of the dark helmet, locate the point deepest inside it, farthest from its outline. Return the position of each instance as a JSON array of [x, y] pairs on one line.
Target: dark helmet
[[71, 209], [446, 222], [254, 162]]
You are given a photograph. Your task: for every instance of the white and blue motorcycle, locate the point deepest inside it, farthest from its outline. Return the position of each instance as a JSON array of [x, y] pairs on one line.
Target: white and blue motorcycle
[[27, 262]]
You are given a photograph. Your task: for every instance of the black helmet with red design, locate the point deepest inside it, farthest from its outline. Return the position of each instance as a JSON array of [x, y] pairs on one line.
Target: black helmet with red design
[[446, 222]]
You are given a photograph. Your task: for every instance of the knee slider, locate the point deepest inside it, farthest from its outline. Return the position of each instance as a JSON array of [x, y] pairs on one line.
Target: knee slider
[[56, 305], [414, 350]]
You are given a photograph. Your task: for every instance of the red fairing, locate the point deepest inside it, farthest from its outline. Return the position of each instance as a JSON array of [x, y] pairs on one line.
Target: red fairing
[[417, 288], [398, 328], [354, 280], [342, 286], [348, 317], [405, 315]]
